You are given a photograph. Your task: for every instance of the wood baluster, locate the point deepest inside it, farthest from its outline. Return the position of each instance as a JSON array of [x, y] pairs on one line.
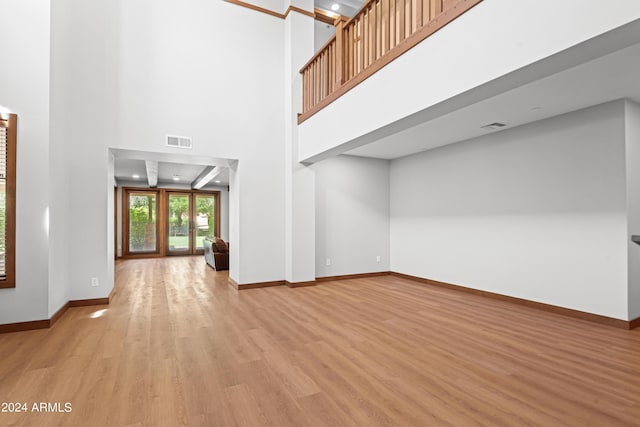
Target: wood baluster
[[367, 31], [407, 18], [329, 78], [384, 45], [319, 65], [368, 39], [305, 94], [365, 39], [327, 73], [315, 82], [323, 61], [332, 64], [354, 46], [418, 14], [304, 90], [354, 54], [336, 65], [348, 52], [369, 34], [425, 12], [374, 32], [401, 20], [339, 53], [320, 77], [309, 84], [379, 31], [367, 27], [346, 55], [392, 24], [309, 92], [362, 43], [436, 8], [361, 47]]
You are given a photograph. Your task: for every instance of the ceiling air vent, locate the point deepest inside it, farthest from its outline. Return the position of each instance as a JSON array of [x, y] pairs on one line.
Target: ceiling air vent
[[493, 126], [179, 141]]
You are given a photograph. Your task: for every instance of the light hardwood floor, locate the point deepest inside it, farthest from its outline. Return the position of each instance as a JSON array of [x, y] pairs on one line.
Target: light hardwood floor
[[179, 346]]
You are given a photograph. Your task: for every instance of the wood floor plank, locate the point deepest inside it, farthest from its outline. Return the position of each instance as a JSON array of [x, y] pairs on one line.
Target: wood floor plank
[[178, 346]]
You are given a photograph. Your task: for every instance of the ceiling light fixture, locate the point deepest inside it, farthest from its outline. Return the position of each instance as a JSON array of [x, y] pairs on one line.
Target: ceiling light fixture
[[135, 176], [218, 181], [176, 177], [335, 7]]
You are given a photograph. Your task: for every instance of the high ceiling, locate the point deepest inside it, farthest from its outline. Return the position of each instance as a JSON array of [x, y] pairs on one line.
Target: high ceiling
[[347, 7]]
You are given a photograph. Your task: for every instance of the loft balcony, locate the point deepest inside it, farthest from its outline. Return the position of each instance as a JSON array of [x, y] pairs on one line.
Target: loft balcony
[[403, 77], [380, 32]]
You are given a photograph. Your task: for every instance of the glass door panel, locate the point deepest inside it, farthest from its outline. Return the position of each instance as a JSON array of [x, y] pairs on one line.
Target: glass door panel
[[180, 224], [143, 217], [204, 218]]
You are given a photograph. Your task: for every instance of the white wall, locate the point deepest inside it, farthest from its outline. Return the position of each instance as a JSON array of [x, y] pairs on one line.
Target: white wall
[[137, 78], [24, 89], [632, 135], [60, 129], [535, 212], [493, 39], [352, 215], [322, 32]]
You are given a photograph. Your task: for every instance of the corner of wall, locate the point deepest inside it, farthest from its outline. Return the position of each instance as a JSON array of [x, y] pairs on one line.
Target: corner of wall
[[632, 146]]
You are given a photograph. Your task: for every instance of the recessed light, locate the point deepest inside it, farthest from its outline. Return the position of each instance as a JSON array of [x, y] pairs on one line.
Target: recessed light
[[135, 176], [335, 7], [176, 177], [218, 181], [493, 126]]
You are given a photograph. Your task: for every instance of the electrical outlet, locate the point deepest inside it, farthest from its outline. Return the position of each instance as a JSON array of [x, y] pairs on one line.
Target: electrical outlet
[[328, 261], [378, 258], [95, 282]]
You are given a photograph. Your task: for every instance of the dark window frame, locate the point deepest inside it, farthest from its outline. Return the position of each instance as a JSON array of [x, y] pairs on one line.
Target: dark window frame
[[10, 122]]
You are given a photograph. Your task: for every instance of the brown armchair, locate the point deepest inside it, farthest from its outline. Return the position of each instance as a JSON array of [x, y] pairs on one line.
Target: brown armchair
[[216, 253]]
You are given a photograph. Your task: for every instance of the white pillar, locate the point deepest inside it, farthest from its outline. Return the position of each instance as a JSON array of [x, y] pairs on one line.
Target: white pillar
[[299, 180]]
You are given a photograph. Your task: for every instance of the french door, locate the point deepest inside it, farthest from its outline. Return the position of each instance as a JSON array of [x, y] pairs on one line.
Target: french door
[[191, 217], [141, 225]]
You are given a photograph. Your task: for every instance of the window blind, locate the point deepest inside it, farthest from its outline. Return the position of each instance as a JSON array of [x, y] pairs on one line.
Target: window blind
[[3, 203]]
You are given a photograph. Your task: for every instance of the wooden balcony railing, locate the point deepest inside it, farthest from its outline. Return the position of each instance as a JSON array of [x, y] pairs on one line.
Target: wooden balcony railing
[[380, 32]]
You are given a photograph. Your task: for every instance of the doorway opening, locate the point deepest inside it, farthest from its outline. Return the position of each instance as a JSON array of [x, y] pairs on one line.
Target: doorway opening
[[166, 204]]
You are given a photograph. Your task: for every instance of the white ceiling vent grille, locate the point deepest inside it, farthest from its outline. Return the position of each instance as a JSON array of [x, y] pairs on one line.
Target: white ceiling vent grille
[[179, 141]]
